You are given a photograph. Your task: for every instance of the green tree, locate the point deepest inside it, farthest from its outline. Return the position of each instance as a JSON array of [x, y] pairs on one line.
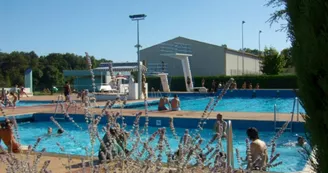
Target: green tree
[[252, 51], [272, 63], [287, 54], [308, 31]]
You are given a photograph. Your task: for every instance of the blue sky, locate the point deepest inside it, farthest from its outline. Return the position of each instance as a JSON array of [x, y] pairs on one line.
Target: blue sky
[[104, 29]]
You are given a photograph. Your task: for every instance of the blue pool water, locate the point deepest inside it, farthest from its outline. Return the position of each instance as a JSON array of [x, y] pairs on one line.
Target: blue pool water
[[231, 104], [29, 132], [32, 103]]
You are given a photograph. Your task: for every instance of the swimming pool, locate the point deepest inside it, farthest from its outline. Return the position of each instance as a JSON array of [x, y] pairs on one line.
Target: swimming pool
[[29, 132], [230, 104], [32, 103]]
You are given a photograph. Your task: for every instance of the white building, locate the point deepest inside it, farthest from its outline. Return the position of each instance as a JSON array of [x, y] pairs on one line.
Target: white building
[[206, 60]]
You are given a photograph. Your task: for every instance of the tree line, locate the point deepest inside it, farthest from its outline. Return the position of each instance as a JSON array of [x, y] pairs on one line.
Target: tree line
[[273, 62], [47, 70], [307, 30]]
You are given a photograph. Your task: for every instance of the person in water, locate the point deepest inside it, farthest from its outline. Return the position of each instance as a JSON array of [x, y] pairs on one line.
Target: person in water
[[301, 141], [175, 103], [49, 132], [114, 139], [67, 91], [258, 149], [162, 102], [219, 120], [60, 131], [8, 137]]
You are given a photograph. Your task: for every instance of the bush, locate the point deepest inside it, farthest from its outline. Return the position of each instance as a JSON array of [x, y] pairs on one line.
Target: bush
[[308, 33], [265, 81]]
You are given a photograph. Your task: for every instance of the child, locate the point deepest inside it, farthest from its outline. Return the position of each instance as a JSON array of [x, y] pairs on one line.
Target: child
[[22, 91]]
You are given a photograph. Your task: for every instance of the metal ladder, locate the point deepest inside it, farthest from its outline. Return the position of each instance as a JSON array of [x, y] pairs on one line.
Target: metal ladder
[[290, 128], [59, 99], [230, 159]]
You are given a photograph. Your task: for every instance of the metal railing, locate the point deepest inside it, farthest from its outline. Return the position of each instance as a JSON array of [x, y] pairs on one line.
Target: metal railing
[[60, 99], [230, 159], [295, 106]]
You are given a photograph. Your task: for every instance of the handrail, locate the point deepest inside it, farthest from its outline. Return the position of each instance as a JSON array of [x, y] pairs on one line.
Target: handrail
[[275, 116], [297, 108], [230, 145], [60, 98], [293, 112]]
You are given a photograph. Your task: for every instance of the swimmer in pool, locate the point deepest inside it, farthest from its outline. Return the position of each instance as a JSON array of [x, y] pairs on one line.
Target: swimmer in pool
[[300, 142], [49, 131], [60, 131]]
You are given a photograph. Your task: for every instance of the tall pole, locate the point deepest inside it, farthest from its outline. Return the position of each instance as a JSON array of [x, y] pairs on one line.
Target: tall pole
[[260, 46], [242, 44], [138, 17], [139, 67], [260, 42]]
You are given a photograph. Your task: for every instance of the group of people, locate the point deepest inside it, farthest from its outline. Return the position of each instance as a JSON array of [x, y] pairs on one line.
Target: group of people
[[250, 86], [218, 85], [258, 148], [174, 105], [9, 98]]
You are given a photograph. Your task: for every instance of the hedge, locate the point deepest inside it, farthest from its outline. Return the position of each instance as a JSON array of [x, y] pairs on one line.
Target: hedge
[[265, 81]]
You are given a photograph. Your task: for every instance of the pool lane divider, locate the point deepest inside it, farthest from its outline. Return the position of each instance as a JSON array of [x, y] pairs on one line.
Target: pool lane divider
[[179, 122]]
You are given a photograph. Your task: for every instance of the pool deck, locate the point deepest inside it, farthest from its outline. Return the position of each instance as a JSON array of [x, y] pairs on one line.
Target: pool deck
[[50, 108]]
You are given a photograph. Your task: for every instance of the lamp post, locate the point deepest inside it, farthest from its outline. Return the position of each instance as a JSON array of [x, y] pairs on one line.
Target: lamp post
[[260, 42], [242, 44], [138, 17]]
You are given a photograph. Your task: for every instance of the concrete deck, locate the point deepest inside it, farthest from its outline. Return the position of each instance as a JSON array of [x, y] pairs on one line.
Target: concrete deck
[[185, 114]]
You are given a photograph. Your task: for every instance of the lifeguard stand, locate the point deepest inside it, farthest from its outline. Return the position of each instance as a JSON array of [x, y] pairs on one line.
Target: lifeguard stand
[[182, 52]]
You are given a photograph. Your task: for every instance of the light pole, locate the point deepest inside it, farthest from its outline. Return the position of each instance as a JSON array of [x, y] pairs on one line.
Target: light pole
[[260, 46], [260, 42], [138, 17], [242, 44]]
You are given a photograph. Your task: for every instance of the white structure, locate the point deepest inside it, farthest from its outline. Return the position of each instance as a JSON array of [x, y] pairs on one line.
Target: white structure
[[164, 81], [184, 58], [206, 60], [234, 63], [133, 91]]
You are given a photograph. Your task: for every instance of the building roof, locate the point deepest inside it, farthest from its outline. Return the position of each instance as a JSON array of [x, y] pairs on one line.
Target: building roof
[[179, 37], [121, 68], [104, 67]]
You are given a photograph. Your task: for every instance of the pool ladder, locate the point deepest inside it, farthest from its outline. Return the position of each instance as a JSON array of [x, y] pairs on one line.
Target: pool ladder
[[59, 99], [230, 159], [290, 128]]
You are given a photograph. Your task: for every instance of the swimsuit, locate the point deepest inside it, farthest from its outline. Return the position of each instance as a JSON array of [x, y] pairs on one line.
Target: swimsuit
[[176, 109], [162, 108]]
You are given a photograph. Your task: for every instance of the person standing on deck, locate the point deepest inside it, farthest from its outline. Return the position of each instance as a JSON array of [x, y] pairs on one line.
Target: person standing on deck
[[13, 93], [22, 91], [67, 91], [203, 82]]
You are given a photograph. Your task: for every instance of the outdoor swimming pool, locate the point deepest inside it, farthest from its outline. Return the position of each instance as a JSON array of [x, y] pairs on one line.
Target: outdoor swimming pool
[[29, 132], [230, 104], [32, 103]]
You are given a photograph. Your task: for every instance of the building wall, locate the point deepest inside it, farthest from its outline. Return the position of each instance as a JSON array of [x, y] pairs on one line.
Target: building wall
[[234, 63], [206, 59]]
